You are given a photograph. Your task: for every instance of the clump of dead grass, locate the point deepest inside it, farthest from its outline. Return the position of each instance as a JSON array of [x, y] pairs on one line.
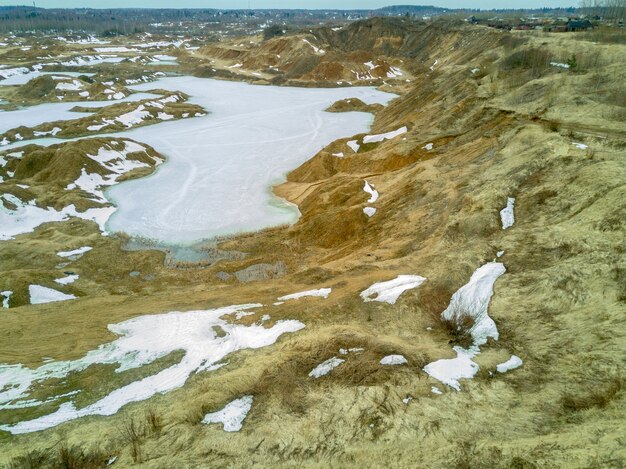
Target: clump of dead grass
[[65, 457], [598, 397]]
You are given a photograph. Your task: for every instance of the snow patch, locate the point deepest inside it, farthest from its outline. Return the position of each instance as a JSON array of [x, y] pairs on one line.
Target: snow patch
[[6, 296], [393, 360], [372, 192], [386, 136], [390, 291], [39, 295], [472, 301], [322, 292], [507, 214], [75, 252], [325, 367], [354, 146], [67, 280], [510, 364], [369, 211], [232, 415]]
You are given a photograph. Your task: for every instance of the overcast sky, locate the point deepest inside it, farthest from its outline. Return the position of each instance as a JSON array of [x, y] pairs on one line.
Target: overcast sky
[[345, 4]]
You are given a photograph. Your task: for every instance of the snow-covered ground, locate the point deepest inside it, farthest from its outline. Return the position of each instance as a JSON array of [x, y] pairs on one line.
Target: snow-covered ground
[[141, 341]]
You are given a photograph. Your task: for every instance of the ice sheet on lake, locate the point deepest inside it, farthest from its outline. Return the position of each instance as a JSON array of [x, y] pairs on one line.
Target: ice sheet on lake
[[390, 291], [232, 415], [252, 136], [141, 341], [322, 292]]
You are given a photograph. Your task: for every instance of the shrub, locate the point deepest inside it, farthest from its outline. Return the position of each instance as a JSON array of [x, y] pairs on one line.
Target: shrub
[[535, 60]]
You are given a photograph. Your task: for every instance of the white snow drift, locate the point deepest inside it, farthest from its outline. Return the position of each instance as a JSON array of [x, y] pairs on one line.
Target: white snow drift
[[39, 295], [472, 301], [390, 291], [325, 367], [232, 415], [507, 214], [322, 292]]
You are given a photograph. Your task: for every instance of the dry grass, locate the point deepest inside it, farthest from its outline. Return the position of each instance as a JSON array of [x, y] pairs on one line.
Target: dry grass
[[559, 306]]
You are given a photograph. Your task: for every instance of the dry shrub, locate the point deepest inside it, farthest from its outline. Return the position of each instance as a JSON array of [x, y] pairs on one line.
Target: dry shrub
[[599, 397], [131, 433], [535, 60], [434, 298], [289, 380], [66, 457], [154, 420]]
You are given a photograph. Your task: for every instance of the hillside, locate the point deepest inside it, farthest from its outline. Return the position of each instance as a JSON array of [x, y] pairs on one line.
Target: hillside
[[499, 168]]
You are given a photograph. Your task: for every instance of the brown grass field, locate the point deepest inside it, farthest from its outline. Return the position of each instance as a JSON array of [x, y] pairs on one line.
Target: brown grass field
[[504, 130]]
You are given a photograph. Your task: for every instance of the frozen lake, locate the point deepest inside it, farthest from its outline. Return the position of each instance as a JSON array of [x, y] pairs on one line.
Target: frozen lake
[[220, 168]]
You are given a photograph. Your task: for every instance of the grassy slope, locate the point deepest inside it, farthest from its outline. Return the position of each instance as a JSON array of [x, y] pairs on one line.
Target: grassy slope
[[560, 305]]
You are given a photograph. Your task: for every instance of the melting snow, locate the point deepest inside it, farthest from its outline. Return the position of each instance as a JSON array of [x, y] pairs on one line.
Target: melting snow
[[428, 147], [372, 192], [354, 146], [39, 295], [580, 146], [75, 252], [369, 211], [435, 390], [322, 292], [74, 85], [67, 280], [560, 65], [471, 300], [510, 364], [393, 360], [232, 415], [390, 291], [141, 341], [339, 155], [386, 136], [325, 367], [6, 296], [507, 215]]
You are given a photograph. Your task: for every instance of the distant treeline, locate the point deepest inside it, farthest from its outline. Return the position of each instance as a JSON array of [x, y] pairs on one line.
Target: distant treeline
[[112, 22], [130, 21]]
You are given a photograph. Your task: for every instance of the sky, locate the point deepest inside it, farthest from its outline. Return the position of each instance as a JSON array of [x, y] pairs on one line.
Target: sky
[[343, 4]]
